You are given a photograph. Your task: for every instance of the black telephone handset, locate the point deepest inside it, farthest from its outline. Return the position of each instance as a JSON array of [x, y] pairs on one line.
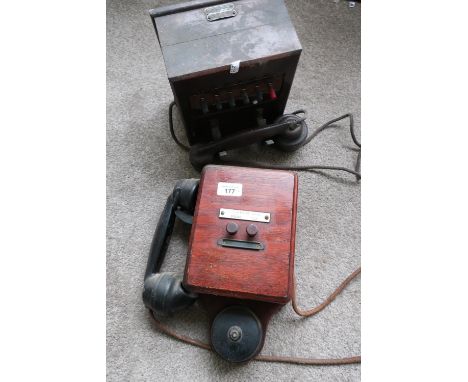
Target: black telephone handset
[[163, 292]]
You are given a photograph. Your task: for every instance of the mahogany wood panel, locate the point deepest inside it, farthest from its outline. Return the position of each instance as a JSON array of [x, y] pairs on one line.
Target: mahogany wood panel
[[264, 275]]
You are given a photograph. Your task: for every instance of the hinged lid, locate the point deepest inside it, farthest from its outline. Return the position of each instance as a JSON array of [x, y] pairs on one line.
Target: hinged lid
[[205, 35]]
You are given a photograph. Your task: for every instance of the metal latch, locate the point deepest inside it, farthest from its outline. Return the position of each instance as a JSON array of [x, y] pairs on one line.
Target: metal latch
[[221, 11]]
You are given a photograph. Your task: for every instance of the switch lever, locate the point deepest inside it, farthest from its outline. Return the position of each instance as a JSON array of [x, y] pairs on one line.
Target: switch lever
[[272, 91], [245, 97], [219, 105], [259, 94], [232, 101], [204, 106]]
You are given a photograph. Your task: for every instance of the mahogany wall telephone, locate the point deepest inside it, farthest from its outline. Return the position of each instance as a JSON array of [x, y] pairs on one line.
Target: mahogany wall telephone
[[240, 261]]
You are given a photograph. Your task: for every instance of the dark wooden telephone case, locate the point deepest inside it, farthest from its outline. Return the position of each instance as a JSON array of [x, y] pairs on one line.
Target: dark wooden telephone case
[[232, 261], [225, 61]]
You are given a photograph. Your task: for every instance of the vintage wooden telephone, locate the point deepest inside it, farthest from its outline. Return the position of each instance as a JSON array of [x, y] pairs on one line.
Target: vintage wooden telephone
[[231, 65], [240, 261]]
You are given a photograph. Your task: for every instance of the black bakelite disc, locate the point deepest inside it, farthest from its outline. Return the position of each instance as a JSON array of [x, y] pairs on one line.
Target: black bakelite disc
[[236, 334], [293, 138]]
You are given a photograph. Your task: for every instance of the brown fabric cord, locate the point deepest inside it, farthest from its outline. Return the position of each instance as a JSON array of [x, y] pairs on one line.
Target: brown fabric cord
[[328, 300], [277, 358]]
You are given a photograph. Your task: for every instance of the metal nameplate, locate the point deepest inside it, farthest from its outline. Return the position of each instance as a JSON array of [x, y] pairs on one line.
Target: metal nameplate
[[254, 216], [221, 11]]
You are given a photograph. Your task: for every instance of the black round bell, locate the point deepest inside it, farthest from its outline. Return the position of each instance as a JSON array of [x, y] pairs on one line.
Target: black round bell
[[236, 334]]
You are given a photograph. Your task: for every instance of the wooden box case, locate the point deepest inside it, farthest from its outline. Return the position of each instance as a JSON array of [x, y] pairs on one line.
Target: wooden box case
[[225, 60], [259, 266]]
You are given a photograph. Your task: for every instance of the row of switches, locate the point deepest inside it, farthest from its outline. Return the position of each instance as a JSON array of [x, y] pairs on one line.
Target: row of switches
[[232, 101]]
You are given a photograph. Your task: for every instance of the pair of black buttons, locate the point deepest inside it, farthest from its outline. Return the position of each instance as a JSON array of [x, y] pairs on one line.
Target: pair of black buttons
[[232, 228]]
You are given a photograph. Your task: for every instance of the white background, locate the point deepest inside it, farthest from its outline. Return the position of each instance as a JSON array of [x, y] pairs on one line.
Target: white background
[[414, 190]]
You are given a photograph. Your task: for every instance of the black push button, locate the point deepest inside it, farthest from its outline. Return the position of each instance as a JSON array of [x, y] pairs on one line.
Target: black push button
[[252, 230], [232, 228]]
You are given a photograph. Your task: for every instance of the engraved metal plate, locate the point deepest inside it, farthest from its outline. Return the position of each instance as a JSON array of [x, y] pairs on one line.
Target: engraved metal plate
[[254, 216], [221, 11]]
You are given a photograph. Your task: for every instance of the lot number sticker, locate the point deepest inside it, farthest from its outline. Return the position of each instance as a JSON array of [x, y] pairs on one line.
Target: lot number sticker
[[229, 189]]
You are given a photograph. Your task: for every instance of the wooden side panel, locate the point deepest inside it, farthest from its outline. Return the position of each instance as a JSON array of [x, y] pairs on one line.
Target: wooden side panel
[[261, 275]]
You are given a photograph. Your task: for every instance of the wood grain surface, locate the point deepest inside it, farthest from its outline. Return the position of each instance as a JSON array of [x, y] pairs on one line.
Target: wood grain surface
[[264, 275]]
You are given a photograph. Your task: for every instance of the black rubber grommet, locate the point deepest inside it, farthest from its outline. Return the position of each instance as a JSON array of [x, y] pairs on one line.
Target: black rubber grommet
[[236, 334]]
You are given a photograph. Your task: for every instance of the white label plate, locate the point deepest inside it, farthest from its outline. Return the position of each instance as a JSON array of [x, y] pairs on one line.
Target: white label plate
[[229, 189], [254, 216], [234, 67]]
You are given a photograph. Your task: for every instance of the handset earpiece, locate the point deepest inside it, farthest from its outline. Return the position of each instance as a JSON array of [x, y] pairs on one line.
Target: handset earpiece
[[163, 292], [295, 136]]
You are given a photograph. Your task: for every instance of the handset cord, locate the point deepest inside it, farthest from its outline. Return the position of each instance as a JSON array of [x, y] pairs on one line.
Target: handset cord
[[355, 171]]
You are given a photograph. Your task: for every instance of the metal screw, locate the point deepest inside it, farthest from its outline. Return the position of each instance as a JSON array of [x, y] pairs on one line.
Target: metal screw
[[235, 333], [351, 4], [222, 212], [266, 217]]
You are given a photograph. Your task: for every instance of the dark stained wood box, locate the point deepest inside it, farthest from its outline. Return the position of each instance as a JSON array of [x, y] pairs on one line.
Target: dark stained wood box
[[258, 274], [198, 54]]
